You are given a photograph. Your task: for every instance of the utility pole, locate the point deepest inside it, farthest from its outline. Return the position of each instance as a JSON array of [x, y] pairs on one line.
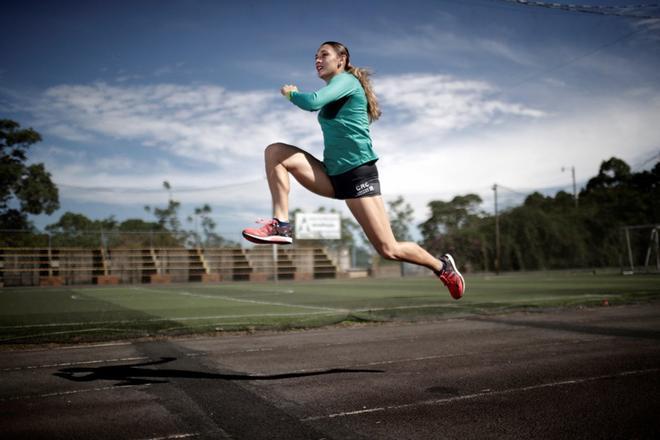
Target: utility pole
[[575, 197], [497, 234]]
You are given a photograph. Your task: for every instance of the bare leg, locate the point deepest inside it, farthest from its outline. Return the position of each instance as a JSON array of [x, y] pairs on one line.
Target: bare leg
[[370, 213], [282, 159]]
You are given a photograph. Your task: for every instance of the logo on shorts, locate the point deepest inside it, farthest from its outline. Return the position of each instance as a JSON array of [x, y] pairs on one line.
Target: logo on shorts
[[363, 188]]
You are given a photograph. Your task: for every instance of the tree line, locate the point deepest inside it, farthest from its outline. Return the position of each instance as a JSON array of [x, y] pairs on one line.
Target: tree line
[[545, 232], [548, 232]]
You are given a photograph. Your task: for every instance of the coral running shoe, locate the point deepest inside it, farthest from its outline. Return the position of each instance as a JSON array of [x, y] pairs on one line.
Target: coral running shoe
[[451, 277], [270, 233]]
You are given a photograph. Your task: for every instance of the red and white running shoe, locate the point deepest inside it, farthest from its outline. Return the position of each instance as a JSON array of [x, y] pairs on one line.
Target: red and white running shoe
[[451, 277], [270, 233]]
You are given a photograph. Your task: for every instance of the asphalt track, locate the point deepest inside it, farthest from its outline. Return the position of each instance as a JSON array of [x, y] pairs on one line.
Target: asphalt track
[[571, 373]]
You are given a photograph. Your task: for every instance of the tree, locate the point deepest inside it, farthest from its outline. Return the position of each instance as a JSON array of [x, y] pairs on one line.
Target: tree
[[168, 217], [77, 230], [612, 173], [442, 231], [208, 237], [401, 216], [29, 186], [139, 225], [135, 232], [614, 198]]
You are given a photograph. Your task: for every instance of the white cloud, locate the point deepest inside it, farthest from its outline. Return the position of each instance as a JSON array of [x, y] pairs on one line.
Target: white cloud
[[651, 27], [209, 124], [420, 110], [206, 123], [444, 102]]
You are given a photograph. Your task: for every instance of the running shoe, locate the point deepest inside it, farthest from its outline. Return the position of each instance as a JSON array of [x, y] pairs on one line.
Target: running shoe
[[451, 277], [270, 233]]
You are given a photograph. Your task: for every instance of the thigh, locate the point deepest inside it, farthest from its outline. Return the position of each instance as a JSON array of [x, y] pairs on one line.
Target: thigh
[[305, 168], [371, 215]]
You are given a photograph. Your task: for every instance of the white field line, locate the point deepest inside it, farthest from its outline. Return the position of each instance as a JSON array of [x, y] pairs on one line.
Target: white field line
[[486, 393], [266, 303], [248, 289], [71, 364], [240, 300]]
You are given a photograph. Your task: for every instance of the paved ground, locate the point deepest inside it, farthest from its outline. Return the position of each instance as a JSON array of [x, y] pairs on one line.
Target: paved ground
[[581, 373]]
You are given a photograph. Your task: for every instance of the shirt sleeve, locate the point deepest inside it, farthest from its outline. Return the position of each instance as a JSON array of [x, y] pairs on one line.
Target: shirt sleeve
[[339, 87]]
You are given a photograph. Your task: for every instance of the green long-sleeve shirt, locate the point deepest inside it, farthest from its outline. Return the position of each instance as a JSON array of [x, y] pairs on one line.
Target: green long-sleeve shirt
[[344, 122]]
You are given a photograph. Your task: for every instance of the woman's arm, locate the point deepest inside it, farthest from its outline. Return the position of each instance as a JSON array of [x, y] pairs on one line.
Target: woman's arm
[[337, 88]]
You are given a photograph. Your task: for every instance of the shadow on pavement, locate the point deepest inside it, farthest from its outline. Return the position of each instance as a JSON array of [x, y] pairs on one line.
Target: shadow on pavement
[[134, 374]]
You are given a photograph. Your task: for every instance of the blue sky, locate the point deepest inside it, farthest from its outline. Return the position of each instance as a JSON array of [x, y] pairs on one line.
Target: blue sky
[[474, 92]]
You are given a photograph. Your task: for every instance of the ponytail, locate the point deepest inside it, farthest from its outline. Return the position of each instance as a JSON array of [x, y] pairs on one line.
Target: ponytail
[[373, 109]]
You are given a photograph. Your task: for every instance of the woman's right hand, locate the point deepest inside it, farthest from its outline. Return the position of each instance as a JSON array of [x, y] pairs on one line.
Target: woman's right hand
[[288, 88]]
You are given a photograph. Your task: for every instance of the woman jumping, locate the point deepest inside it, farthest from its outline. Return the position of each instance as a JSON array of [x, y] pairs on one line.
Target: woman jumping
[[348, 172]]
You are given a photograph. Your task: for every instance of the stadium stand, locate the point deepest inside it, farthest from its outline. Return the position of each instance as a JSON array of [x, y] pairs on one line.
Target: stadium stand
[[70, 266], [230, 263]]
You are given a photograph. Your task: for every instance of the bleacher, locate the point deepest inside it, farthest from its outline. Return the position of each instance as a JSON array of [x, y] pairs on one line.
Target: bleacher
[[230, 264], [70, 266]]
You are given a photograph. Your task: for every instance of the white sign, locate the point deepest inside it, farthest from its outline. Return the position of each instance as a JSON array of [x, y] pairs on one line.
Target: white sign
[[318, 226]]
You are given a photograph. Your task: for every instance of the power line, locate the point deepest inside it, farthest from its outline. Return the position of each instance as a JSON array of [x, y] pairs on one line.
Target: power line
[[654, 157], [627, 11], [577, 58]]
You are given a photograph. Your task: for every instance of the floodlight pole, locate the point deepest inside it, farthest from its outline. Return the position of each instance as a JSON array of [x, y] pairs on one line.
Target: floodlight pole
[[575, 197], [497, 234], [630, 255], [275, 268]]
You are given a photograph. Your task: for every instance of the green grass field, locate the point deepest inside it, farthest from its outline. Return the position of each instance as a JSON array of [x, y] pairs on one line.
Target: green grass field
[[64, 315]]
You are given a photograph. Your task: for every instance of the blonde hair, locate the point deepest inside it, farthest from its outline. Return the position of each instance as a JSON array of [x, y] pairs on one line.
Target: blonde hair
[[362, 74]]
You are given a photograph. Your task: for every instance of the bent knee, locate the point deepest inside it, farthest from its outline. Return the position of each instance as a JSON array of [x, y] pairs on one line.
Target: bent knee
[[279, 152], [273, 149], [387, 251]]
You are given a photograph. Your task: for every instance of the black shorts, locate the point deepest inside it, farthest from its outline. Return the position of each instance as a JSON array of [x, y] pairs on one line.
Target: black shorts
[[361, 181]]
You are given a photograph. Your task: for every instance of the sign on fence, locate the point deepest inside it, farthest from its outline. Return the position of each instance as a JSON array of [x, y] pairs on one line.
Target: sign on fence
[[318, 226]]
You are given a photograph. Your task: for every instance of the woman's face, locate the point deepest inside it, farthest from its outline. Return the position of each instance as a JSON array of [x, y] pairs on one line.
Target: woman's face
[[328, 63]]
